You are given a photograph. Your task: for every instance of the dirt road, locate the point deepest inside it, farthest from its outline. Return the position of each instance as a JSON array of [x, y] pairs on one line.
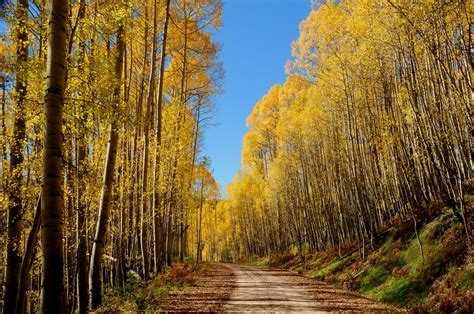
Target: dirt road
[[240, 288], [266, 289]]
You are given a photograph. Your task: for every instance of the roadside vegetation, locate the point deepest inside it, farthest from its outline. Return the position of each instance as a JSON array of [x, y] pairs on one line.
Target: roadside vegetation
[[394, 270], [184, 287], [152, 294]]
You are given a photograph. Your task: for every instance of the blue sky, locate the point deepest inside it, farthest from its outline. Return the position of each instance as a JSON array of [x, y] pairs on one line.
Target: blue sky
[[256, 39]]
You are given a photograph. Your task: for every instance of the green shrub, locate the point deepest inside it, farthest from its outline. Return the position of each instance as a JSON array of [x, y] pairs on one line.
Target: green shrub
[[376, 275], [335, 266], [397, 290]]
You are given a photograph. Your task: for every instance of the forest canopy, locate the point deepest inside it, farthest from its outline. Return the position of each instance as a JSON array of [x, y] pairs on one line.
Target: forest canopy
[[113, 149]]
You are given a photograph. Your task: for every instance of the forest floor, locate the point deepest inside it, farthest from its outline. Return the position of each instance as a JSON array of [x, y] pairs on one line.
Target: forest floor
[[211, 288], [215, 287], [181, 288]]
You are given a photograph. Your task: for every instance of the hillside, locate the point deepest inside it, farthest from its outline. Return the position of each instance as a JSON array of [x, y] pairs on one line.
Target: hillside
[[436, 276]]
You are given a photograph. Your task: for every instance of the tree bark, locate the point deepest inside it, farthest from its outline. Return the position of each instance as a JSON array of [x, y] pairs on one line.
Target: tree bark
[[95, 281], [15, 208], [52, 198], [159, 125], [148, 124], [81, 222], [28, 259], [201, 201]]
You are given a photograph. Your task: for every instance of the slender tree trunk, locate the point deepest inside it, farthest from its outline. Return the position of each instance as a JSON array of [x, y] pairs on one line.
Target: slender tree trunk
[[52, 199], [120, 249], [28, 259], [82, 284], [4, 130], [69, 222], [420, 244], [201, 201], [95, 273], [148, 124], [15, 206], [81, 238], [81, 253], [159, 126], [182, 103]]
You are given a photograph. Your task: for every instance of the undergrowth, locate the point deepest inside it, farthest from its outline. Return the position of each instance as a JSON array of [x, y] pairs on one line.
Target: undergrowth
[[395, 272], [138, 295]]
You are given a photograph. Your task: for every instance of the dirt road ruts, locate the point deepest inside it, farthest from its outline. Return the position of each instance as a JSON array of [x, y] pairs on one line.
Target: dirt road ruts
[[271, 290]]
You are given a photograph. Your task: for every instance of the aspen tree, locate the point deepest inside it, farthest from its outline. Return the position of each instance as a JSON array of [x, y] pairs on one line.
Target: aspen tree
[[52, 199], [15, 206], [95, 282]]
